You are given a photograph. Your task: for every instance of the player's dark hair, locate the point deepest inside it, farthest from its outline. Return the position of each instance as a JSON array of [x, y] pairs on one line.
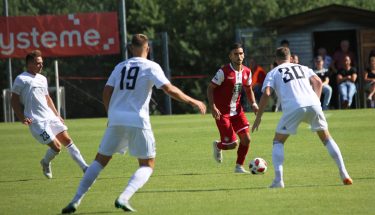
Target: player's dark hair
[[235, 46], [32, 55], [139, 40], [282, 53]]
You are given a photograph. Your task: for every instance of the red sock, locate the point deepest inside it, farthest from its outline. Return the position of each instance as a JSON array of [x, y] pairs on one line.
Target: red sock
[[241, 153]]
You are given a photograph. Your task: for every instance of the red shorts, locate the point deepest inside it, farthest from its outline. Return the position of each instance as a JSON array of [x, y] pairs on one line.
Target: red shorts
[[230, 125]]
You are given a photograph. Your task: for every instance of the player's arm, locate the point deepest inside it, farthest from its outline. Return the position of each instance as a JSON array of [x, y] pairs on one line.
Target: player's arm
[[211, 105], [178, 95], [316, 84], [262, 106], [18, 110], [107, 94], [51, 105], [251, 98]]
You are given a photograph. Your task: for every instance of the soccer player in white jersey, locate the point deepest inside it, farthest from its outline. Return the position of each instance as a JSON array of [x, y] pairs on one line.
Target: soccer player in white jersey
[[299, 90], [126, 98], [34, 107]]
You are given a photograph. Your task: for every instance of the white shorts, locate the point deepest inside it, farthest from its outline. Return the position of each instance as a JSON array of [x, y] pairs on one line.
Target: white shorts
[[141, 142], [312, 115], [45, 132]]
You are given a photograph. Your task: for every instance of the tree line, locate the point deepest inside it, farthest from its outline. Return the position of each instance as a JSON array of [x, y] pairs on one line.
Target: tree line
[[200, 32]]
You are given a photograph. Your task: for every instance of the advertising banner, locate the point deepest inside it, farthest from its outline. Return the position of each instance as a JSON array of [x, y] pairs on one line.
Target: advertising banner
[[60, 36]]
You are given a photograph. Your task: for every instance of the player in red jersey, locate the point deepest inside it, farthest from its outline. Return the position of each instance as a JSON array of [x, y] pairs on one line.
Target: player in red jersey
[[224, 94]]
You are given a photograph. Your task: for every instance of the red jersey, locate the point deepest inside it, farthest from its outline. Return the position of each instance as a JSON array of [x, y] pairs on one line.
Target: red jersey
[[229, 83]]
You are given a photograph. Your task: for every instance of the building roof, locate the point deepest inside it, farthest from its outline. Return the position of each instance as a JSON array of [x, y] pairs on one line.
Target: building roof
[[324, 14]]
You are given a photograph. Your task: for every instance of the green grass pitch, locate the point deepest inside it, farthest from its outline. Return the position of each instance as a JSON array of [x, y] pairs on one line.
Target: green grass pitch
[[187, 180]]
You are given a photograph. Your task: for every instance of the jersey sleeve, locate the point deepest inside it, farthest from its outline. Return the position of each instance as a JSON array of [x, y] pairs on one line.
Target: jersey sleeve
[[159, 78], [309, 72], [112, 80], [269, 81], [249, 79], [218, 78], [18, 85]]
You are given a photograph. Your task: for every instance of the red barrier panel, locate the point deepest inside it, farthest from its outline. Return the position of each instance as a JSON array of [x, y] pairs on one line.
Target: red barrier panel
[[60, 36]]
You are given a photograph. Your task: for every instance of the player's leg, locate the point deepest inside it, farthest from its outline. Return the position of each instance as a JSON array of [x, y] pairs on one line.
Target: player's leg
[[53, 150], [287, 125], [142, 146], [114, 140], [319, 124], [42, 132], [242, 151], [87, 181], [278, 159], [334, 150], [73, 150], [138, 179], [241, 126], [228, 139]]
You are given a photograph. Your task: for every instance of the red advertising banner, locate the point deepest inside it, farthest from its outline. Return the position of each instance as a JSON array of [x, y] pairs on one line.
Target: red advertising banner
[[60, 36]]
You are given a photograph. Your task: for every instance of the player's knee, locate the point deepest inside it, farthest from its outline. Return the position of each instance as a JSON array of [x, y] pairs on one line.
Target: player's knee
[[245, 141], [55, 146]]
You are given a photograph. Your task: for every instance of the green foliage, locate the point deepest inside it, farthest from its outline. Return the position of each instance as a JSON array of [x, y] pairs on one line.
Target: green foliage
[[187, 180], [200, 32]]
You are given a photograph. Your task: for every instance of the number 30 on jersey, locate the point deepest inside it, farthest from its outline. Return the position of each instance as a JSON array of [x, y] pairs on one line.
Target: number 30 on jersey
[[288, 75]]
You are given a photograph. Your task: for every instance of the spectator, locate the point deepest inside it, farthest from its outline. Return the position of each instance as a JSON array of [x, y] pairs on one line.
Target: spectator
[[284, 43], [258, 75], [323, 75], [326, 58], [370, 82], [346, 78], [294, 59], [339, 55]]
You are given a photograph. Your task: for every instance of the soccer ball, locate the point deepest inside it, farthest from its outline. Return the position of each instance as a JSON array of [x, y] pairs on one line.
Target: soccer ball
[[258, 166]]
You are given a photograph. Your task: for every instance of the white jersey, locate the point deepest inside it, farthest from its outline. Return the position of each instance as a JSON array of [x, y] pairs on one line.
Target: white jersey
[[291, 82], [33, 90], [132, 81]]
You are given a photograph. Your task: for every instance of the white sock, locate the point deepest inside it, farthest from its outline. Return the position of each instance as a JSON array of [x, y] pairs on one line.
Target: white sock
[[88, 179], [334, 151], [50, 155], [76, 155], [278, 160], [137, 181]]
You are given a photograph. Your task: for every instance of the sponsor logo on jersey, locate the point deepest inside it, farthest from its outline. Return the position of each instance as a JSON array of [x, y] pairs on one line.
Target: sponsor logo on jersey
[[245, 76]]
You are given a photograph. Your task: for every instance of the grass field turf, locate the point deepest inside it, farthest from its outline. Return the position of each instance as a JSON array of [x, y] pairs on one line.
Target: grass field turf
[[187, 180]]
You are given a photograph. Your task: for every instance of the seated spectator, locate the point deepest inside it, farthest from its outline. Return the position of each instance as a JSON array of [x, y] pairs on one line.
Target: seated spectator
[[294, 59], [370, 82], [346, 78], [324, 76], [339, 55], [258, 75], [326, 58]]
